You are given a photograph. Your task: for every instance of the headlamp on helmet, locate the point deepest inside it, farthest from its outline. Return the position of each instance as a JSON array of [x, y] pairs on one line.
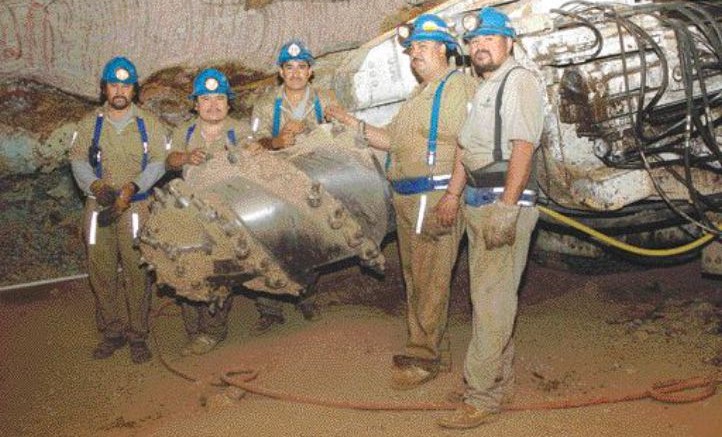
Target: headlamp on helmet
[[403, 32], [426, 27], [211, 81], [294, 50], [470, 22], [489, 21], [120, 70]]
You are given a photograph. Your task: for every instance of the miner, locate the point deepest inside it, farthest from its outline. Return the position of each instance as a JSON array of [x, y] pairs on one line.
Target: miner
[[427, 180], [498, 141], [211, 134], [279, 116], [117, 155]]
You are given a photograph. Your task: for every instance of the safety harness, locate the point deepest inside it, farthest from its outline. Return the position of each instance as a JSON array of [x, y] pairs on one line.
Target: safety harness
[[277, 113], [230, 134], [95, 153], [485, 185], [427, 183]]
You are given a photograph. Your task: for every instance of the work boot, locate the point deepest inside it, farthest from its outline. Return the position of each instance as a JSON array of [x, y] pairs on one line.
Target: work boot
[[139, 352], [201, 344], [309, 311], [265, 322], [466, 417], [107, 347], [408, 377]]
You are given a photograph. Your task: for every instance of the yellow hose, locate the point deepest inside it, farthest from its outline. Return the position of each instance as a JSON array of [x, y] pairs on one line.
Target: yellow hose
[[624, 246]]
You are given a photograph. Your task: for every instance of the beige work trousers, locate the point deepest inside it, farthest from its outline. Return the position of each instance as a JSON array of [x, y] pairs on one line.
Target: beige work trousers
[[122, 298], [198, 319], [427, 260], [494, 281]]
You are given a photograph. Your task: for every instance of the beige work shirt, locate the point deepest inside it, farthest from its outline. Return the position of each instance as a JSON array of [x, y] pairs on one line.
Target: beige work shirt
[[121, 152], [522, 114], [215, 147], [409, 129], [263, 109]]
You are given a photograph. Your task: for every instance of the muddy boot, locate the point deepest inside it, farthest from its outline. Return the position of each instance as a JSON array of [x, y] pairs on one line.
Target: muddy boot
[[309, 311], [139, 352], [411, 377], [107, 347], [265, 322], [466, 417], [201, 344], [411, 372]]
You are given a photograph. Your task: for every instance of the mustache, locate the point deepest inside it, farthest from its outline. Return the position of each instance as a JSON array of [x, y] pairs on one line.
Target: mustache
[[479, 52]]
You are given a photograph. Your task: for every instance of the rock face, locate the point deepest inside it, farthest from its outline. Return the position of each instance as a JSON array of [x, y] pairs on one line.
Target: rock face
[[65, 43]]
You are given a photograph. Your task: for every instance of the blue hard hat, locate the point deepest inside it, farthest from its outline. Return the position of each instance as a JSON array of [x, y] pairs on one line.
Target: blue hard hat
[[211, 81], [429, 27], [491, 22], [120, 70], [294, 50]]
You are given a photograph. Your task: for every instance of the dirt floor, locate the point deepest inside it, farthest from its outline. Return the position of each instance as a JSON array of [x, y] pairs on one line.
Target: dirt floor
[[578, 337]]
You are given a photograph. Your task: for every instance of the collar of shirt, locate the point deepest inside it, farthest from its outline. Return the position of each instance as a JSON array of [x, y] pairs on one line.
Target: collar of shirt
[[499, 73], [429, 89], [223, 132], [121, 124], [302, 109]]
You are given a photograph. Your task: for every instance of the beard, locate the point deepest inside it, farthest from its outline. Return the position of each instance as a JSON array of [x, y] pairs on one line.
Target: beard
[[119, 102], [486, 68], [484, 63]]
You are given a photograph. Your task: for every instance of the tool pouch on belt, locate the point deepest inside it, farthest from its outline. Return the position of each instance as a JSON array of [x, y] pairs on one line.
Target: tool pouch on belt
[[492, 175]]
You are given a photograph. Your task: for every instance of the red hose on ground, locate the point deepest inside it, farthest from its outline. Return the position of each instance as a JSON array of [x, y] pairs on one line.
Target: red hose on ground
[[669, 391], [673, 391]]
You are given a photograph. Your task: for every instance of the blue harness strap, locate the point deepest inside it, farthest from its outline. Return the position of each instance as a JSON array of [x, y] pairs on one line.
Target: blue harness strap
[[144, 138], [417, 187], [434, 122], [317, 108], [95, 154], [277, 117], [144, 161], [231, 134], [189, 133]]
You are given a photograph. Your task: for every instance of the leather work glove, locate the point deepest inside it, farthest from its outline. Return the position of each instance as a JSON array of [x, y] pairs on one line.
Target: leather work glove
[[104, 193], [280, 142], [283, 140], [499, 229], [176, 160], [108, 216], [293, 127], [440, 219]]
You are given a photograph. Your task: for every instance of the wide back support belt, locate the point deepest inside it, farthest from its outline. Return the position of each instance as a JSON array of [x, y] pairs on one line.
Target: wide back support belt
[[483, 196]]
